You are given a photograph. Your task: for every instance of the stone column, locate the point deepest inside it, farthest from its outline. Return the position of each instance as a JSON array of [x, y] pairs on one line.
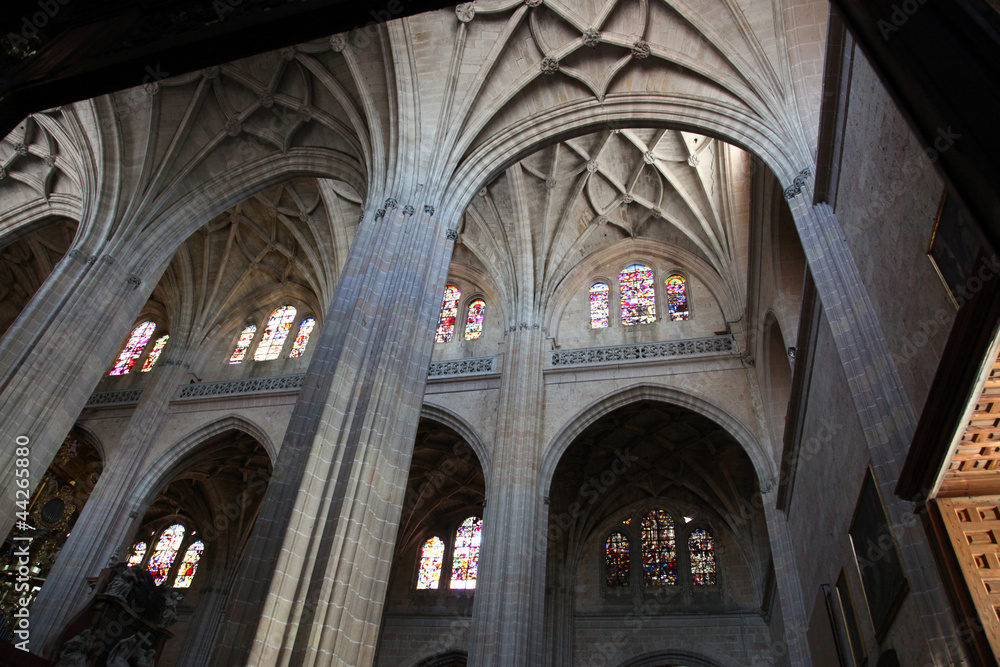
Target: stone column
[[111, 512], [311, 587], [53, 356], [786, 574], [510, 590]]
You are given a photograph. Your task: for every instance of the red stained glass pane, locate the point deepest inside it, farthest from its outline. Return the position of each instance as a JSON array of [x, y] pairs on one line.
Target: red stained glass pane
[[465, 560], [431, 558], [638, 290], [449, 313], [278, 326], [659, 558], [133, 348]]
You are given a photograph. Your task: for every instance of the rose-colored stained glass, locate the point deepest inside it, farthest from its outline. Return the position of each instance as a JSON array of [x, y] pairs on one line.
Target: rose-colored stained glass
[[474, 323], [133, 348], [243, 344], [677, 299], [616, 560], [165, 553], [702, 549], [599, 308], [136, 553], [659, 557], [302, 339], [449, 313], [273, 339], [154, 354], [638, 291], [189, 565], [431, 558], [465, 558]]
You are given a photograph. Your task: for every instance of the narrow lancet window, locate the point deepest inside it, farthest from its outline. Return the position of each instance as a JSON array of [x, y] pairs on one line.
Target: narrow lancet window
[[659, 557], [278, 326], [165, 552], [638, 290], [449, 313], [599, 308], [133, 348], [243, 344], [136, 553], [616, 560], [154, 354], [677, 298], [431, 558], [474, 322], [702, 549], [189, 565], [302, 339], [465, 559]]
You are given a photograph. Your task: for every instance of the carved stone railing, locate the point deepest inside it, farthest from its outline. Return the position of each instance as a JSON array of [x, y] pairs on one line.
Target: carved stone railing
[[120, 397], [275, 383], [463, 367], [643, 351]]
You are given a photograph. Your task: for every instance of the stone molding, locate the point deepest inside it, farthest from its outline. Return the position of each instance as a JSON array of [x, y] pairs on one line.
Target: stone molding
[[475, 366], [642, 351], [274, 383], [119, 397]]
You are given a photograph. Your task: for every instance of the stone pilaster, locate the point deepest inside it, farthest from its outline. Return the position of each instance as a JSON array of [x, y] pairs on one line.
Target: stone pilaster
[[510, 591], [311, 587]]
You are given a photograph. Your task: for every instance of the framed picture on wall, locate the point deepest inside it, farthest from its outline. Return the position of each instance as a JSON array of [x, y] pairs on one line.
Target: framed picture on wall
[[877, 557], [956, 248]]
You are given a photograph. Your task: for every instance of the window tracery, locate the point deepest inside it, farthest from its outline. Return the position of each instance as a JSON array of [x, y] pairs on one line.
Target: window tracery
[[449, 313], [302, 339], [431, 560], [154, 354], [599, 305], [243, 344], [638, 295], [474, 322], [133, 348], [465, 559], [677, 298], [275, 333], [165, 552]]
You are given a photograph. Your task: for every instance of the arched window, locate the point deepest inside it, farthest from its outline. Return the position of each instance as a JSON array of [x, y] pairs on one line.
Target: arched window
[[474, 323], [616, 560], [154, 354], [677, 298], [278, 326], [136, 553], [449, 313], [599, 308], [702, 549], [165, 553], [243, 344], [133, 348], [302, 339], [189, 565], [465, 557], [659, 557], [431, 558], [638, 290]]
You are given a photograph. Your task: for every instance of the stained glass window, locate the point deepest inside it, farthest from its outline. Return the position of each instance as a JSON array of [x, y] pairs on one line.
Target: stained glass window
[[659, 558], [616, 560], [599, 309], [137, 552], [449, 312], [278, 326], [165, 553], [638, 290], [301, 340], [465, 558], [133, 348], [702, 548], [154, 354], [431, 557], [677, 298], [189, 565], [474, 323], [243, 344]]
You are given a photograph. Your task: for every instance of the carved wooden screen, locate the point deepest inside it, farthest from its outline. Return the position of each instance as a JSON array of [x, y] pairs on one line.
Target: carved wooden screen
[[973, 524]]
